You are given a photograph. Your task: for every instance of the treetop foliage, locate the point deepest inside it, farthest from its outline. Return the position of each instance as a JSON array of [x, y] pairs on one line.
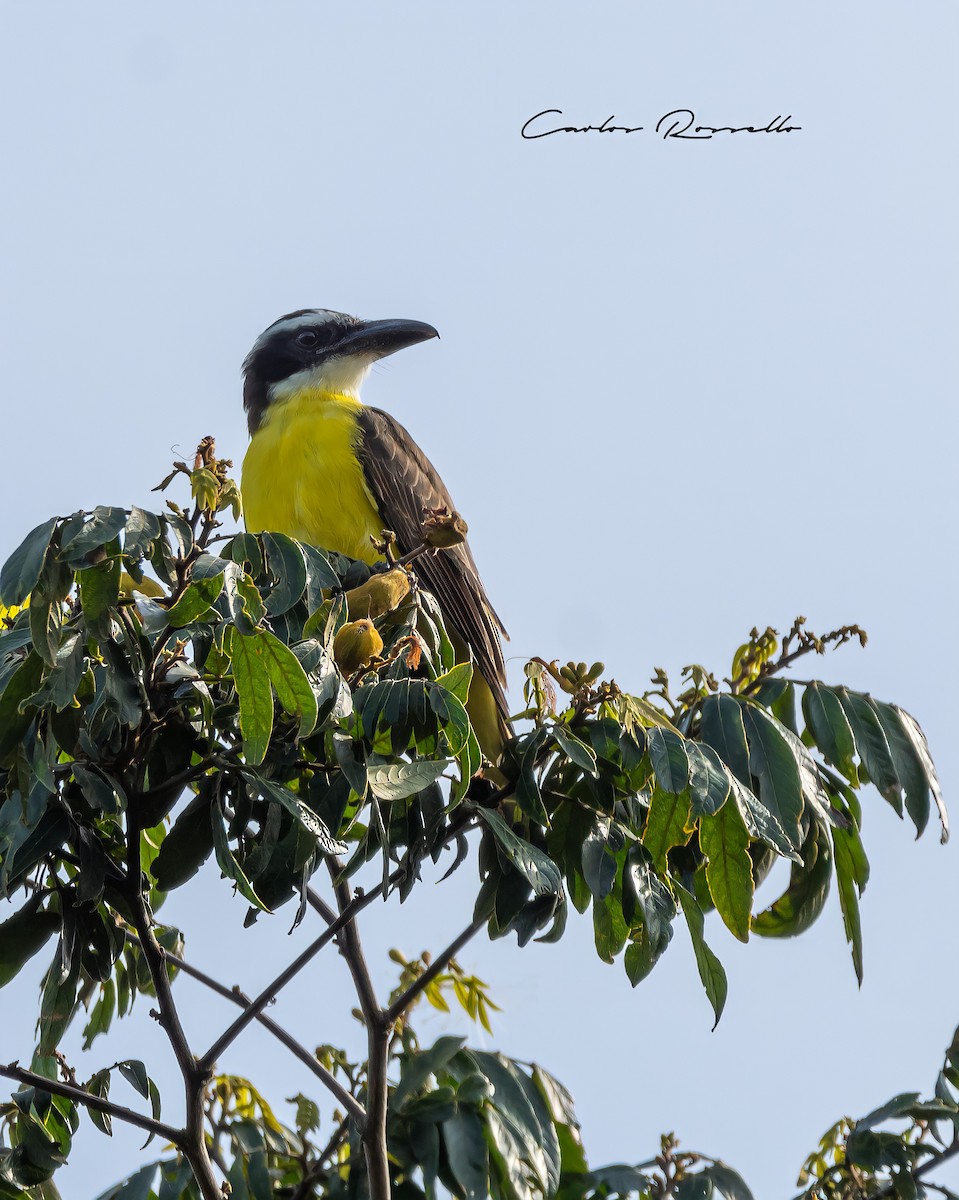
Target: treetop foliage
[[312, 715]]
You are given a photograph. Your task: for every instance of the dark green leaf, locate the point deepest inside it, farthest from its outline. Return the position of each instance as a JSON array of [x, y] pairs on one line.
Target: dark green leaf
[[540, 872], [667, 753], [22, 569], [141, 530], [135, 1073], [827, 723], [96, 532], [730, 1183], [802, 902], [417, 1068], [722, 728], [852, 872], [575, 750], [710, 968], [708, 780], [20, 687], [772, 761], [871, 745], [285, 561], [467, 1154]]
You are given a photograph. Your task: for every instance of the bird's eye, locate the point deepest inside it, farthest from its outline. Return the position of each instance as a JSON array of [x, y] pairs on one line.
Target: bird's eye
[[307, 337]]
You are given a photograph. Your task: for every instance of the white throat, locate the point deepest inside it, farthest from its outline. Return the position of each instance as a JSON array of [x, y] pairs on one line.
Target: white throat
[[342, 376]]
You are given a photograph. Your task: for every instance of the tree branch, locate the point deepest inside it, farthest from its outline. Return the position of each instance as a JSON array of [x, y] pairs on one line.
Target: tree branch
[[377, 1039], [79, 1096], [353, 1106], [439, 964], [265, 997], [195, 1075]]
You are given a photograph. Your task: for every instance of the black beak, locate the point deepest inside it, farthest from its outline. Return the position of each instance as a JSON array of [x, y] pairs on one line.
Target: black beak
[[381, 338]]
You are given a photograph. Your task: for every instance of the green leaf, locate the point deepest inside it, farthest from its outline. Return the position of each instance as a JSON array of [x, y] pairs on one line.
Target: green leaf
[[46, 619], [99, 593], [396, 781], [802, 902], [730, 1183], [871, 745], [667, 753], [135, 1073], [22, 569], [467, 1154], [539, 871], [457, 680], [772, 761], [852, 873], [708, 780], [102, 527], [666, 824], [255, 695], [141, 530], [918, 739], [911, 760], [58, 1002], [23, 935], [290, 682], [304, 814], [710, 968], [20, 687], [826, 721], [729, 875], [722, 728], [196, 598], [284, 561], [647, 900], [416, 1068], [575, 750], [599, 857], [228, 864]]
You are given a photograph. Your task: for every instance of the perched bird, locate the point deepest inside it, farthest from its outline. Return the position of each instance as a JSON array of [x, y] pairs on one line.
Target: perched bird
[[326, 469]]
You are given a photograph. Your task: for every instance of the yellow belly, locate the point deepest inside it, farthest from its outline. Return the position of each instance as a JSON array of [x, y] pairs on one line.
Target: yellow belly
[[301, 475]]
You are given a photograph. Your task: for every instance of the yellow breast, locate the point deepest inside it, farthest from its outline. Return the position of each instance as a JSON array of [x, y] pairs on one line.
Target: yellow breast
[[301, 475]]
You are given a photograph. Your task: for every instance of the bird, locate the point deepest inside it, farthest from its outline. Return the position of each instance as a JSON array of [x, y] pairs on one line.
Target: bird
[[326, 469]]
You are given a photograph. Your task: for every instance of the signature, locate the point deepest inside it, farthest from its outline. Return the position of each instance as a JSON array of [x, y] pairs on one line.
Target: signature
[[678, 123]]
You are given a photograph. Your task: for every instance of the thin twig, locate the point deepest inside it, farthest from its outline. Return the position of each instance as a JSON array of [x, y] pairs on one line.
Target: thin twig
[[195, 1075], [352, 1105], [373, 1129], [266, 996], [318, 1169], [176, 1136], [439, 964]]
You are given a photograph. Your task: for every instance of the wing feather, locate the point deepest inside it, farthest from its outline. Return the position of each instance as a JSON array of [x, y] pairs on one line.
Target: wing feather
[[404, 484]]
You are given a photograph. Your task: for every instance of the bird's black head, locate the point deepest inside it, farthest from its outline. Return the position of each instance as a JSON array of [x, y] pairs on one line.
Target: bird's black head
[[315, 347]]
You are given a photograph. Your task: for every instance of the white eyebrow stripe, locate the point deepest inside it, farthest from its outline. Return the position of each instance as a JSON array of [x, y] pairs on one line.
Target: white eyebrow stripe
[[310, 319]]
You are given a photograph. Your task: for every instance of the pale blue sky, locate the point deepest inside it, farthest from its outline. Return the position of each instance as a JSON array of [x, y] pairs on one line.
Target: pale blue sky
[[682, 388]]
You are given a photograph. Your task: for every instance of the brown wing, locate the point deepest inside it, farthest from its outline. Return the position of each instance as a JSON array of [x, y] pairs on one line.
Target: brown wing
[[404, 483]]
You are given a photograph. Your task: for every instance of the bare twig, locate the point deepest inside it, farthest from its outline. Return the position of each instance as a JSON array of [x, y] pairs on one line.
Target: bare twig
[[439, 964], [318, 1169], [352, 1105], [12, 1071], [377, 1039], [265, 997], [195, 1075]]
